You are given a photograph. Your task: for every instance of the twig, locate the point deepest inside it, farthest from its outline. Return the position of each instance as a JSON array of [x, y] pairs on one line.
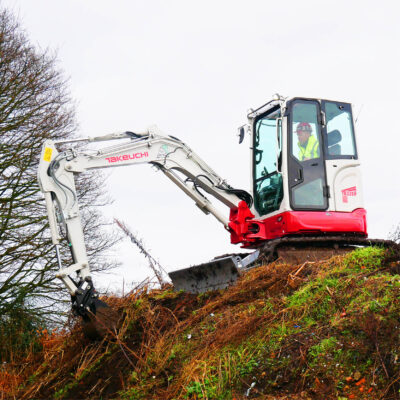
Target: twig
[[300, 268], [380, 357], [329, 291], [123, 351], [94, 387], [153, 263], [388, 387]]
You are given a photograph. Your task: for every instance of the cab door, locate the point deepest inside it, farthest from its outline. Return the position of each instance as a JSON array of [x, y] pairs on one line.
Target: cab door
[[306, 168], [267, 162]]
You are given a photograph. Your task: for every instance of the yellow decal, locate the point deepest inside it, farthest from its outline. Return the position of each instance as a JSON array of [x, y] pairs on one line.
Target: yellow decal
[[47, 154]]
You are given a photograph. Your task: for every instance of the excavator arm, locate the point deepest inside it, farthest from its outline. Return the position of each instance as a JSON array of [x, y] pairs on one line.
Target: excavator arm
[[170, 155]]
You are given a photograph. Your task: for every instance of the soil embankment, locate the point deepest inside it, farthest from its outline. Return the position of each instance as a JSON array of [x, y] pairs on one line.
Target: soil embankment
[[319, 330]]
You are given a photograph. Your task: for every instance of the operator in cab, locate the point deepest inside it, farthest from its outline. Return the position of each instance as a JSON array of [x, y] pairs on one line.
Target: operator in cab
[[308, 143]]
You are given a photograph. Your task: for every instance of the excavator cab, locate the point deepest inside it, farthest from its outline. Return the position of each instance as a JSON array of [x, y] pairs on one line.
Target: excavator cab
[[306, 172]]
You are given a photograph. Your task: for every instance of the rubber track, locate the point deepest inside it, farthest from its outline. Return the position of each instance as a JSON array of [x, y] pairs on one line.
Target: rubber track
[[268, 250]]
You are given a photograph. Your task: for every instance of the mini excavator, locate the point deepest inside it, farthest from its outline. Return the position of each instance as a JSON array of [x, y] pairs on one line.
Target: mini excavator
[[306, 191]]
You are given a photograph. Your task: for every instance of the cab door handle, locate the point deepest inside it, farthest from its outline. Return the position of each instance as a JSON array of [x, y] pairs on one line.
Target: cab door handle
[[299, 175]]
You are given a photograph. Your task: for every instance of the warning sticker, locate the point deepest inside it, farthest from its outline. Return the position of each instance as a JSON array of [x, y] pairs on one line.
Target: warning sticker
[[47, 154]]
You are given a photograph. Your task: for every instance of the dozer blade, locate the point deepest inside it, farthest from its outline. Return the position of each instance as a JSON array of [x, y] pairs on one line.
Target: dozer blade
[[213, 275]]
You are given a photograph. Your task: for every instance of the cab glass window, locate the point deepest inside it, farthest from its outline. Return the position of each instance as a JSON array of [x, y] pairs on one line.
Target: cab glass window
[[306, 165], [339, 142], [306, 136], [267, 155]]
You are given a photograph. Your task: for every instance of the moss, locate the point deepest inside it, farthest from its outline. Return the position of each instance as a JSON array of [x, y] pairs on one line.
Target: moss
[[132, 394], [324, 347], [167, 294], [365, 259], [61, 393], [208, 388]]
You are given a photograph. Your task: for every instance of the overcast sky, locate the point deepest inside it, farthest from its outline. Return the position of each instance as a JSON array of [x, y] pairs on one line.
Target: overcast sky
[[194, 68]]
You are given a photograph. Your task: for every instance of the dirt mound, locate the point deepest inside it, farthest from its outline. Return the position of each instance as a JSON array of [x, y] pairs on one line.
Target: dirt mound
[[317, 330]]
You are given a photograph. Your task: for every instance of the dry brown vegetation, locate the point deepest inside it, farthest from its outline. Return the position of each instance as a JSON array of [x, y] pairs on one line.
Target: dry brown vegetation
[[318, 330]]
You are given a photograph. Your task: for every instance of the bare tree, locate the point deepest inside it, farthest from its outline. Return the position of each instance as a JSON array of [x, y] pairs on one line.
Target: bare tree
[[395, 235], [35, 105], [154, 265]]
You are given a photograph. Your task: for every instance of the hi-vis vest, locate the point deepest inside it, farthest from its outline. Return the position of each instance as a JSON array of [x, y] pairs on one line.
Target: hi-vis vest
[[311, 150]]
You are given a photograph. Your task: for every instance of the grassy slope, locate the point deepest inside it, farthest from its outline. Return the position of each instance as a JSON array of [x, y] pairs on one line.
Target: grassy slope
[[319, 330]]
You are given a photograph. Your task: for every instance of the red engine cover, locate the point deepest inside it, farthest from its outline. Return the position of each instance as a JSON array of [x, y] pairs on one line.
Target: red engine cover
[[249, 231]]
